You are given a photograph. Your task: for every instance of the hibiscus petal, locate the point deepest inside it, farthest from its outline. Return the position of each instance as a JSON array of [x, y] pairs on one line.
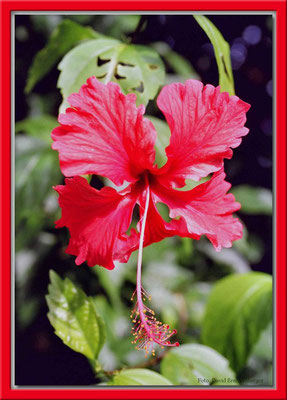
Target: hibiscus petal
[[104, 133], [206, 210], [97, 221], [156, 228], [205, 124]]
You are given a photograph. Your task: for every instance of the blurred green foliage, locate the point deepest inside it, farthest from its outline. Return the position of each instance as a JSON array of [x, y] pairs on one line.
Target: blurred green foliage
[[37, 170], [253, 200], [221, 309]]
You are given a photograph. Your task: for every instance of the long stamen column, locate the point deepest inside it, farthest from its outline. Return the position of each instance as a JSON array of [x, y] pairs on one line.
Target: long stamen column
[[147, 329]]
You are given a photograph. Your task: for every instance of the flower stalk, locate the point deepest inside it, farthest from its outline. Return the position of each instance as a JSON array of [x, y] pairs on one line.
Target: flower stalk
[[147, 329]]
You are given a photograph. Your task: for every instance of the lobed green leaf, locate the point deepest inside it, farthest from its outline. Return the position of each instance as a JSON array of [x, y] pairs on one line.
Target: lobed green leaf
[[137, 69]]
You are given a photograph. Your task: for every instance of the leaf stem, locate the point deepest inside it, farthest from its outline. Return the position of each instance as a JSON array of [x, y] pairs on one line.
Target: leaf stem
[[152, 361], [139, 27]]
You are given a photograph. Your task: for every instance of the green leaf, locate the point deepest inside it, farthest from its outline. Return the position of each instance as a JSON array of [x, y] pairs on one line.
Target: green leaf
[[39, 127], [162, 140], [139, 377], [195, 364], [190, 184], [110, 284], [222, 53], [117, 25], [238, 310], [118, 328], [74, 317], [137, 69], [229, 258], [250, 246], [254, 200], [65, 36], [180, 65], [195, 300], [37, 170], [176, 61], [263, 348]]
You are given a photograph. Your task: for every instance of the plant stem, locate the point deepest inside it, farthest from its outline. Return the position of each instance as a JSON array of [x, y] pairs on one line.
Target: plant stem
[[151, 362], [140, 253], [139, 27]]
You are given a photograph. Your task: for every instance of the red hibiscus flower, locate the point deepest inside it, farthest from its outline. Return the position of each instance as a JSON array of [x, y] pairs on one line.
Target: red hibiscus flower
[[104, 133]]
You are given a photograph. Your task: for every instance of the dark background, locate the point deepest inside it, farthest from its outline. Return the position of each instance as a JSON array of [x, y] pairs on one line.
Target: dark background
[[250, 39]]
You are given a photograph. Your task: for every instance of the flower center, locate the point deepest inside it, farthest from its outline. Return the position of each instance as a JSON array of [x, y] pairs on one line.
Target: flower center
[[147, 329]]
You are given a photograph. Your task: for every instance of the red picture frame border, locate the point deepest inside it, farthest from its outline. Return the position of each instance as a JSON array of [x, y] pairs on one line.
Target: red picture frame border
[[6, 392]]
